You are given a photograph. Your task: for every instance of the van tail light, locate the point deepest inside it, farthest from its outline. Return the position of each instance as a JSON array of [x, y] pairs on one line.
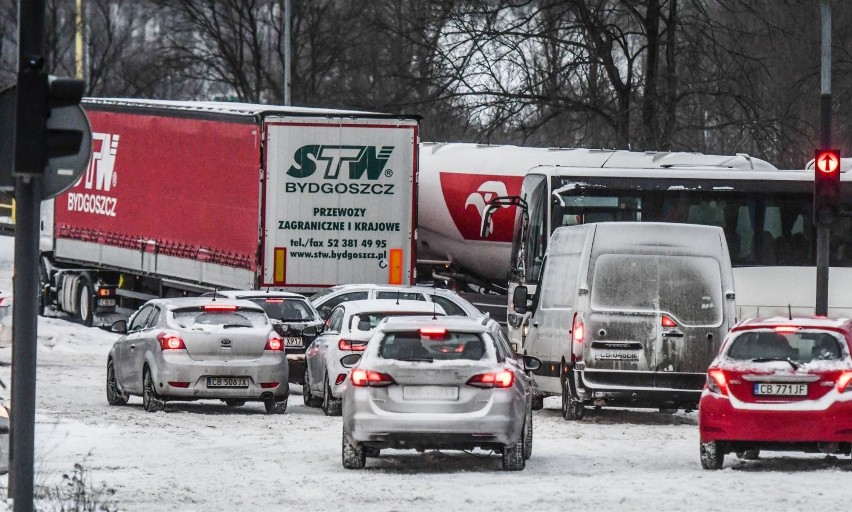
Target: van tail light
[[274, 342], [170, 341], [501, 379], [351, 345], [578, 330], [843, 381], [362, 378], [717, 382], [667, 321]]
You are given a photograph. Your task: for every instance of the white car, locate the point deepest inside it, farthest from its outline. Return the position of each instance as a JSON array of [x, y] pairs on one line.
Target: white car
[[347, 330], [453, 303]]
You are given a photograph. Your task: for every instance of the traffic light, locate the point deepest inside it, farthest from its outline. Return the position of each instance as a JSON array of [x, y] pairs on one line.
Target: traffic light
[[826, 186], [37, 95]]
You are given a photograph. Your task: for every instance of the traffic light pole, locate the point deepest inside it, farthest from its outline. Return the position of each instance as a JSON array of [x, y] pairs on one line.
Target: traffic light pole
[[28, 195], [822, 229]]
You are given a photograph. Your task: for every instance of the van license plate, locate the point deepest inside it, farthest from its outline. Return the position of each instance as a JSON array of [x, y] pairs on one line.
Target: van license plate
[[430, 393], [765, 389], [227, 382], [616, 355]]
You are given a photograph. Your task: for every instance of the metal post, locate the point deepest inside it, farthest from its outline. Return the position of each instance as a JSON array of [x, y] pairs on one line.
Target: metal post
[[288, 19], [823, 231], [28, 191]]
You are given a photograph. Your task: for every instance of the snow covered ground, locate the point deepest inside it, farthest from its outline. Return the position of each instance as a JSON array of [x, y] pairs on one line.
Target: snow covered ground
[[203, 457]]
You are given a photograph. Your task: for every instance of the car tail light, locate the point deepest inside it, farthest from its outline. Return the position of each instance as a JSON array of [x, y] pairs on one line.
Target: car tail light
[[178, 384], [786, 329], [350, 345], [717, 382], [274, 301], [104, 292], [501, 379], [667, 321], [843, 381], [274, 342], [269, 385], [219, 307], [363, 378], [578, 330], [170, 341]]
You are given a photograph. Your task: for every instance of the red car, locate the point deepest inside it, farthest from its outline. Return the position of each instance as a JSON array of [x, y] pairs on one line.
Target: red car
[[778, 384]]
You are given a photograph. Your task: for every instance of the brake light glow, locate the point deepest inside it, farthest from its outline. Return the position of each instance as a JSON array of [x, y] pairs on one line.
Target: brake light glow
[[104, 292], [578, 330], [274, 301], [501, 379], [170, 341], [363, 378], [717, 382], [219, 307], [274, 343], [666, 321], [433, 332], [786, 329], [843, 381], [350, 345]]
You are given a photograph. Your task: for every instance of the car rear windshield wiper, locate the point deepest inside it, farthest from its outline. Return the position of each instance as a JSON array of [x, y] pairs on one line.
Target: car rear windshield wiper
[[417, 359], [225, 326], [768, 359]]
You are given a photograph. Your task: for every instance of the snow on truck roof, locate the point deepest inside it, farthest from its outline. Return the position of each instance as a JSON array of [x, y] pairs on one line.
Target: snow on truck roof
[[233, 108]]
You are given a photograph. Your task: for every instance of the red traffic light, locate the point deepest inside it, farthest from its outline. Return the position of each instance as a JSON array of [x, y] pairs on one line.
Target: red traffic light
[[827, 161]]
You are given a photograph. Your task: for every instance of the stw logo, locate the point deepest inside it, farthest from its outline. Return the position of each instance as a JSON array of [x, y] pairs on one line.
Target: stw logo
[[101, 172], [467, 196]]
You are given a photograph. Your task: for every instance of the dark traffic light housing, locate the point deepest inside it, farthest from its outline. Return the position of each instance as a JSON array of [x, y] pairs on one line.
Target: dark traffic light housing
[[826, 186]]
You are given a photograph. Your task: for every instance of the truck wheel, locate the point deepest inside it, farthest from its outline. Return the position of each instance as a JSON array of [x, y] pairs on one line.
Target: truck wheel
[[85, 302]]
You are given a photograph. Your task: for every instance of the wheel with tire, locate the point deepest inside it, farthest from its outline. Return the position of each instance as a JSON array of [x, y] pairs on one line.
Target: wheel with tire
[[712, 455], [151, 401], [308, 397], [514, 455], [230, 402], [85, 301], [528, 437], [330, 406], [276, 405], [354, 454], [749, 454], [572, 408], [537, 402], [114, 394]]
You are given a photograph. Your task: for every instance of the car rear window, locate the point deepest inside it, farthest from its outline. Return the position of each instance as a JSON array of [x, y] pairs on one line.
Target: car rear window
[[802, 346], [285, 309], [368, 321], [413, 346], [400, 296], [688, 287], [188, 317]]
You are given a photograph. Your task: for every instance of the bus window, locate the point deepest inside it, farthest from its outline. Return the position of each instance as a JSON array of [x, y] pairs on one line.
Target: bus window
[[570, 209]]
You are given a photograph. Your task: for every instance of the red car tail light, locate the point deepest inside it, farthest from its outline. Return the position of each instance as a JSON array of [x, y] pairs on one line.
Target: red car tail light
[[578, 330], [274, 343], [350, 345], [666, 321], [269, 385], [363, 378], [170, 341], [843, 381], [717, 382], [178, 384], [786, 329], [501, 379]]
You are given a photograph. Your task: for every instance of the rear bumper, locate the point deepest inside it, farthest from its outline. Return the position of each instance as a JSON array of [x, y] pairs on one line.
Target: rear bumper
[[640, 389], [719, 420], [268, 369]]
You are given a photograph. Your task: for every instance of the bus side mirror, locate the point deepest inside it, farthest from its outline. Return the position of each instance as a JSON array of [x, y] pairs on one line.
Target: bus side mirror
[[519, 299]]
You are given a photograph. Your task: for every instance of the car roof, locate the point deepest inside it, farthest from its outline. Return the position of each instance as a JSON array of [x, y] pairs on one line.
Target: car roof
[[394, 287], [190, 302], [805, 322], [390, 305], [452, 323], [254, 294]]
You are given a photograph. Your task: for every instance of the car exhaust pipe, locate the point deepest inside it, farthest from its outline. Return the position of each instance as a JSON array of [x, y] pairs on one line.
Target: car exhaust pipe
[[828, 448]]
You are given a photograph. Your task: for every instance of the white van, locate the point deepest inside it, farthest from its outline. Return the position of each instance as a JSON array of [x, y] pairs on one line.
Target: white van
[[629, 314]]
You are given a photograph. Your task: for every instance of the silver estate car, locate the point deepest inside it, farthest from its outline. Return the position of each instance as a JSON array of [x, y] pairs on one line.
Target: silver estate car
[[453, 303], [437, 384], [198, 348], [349, 328]]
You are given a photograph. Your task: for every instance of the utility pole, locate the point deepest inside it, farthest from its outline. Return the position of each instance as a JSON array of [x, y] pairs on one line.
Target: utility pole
[[288, 20], [823, 223]]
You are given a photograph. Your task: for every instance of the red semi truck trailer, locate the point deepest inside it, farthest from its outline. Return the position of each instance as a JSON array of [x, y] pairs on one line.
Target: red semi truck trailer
[[185, 197]]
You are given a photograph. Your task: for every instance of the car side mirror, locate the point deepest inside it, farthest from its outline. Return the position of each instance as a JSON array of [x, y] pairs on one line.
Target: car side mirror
[[350, 360], [531, 363], [119, 327], [519, 299]]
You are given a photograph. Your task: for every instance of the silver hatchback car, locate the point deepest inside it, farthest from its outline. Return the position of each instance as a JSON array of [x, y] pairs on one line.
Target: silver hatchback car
[[442, 383], [198, 348]]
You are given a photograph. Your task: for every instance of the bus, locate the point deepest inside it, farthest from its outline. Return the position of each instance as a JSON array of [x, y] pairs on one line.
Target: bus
[[767, 217]]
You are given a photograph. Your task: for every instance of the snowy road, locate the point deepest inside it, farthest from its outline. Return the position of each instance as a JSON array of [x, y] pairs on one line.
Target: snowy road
[[204, 457]]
